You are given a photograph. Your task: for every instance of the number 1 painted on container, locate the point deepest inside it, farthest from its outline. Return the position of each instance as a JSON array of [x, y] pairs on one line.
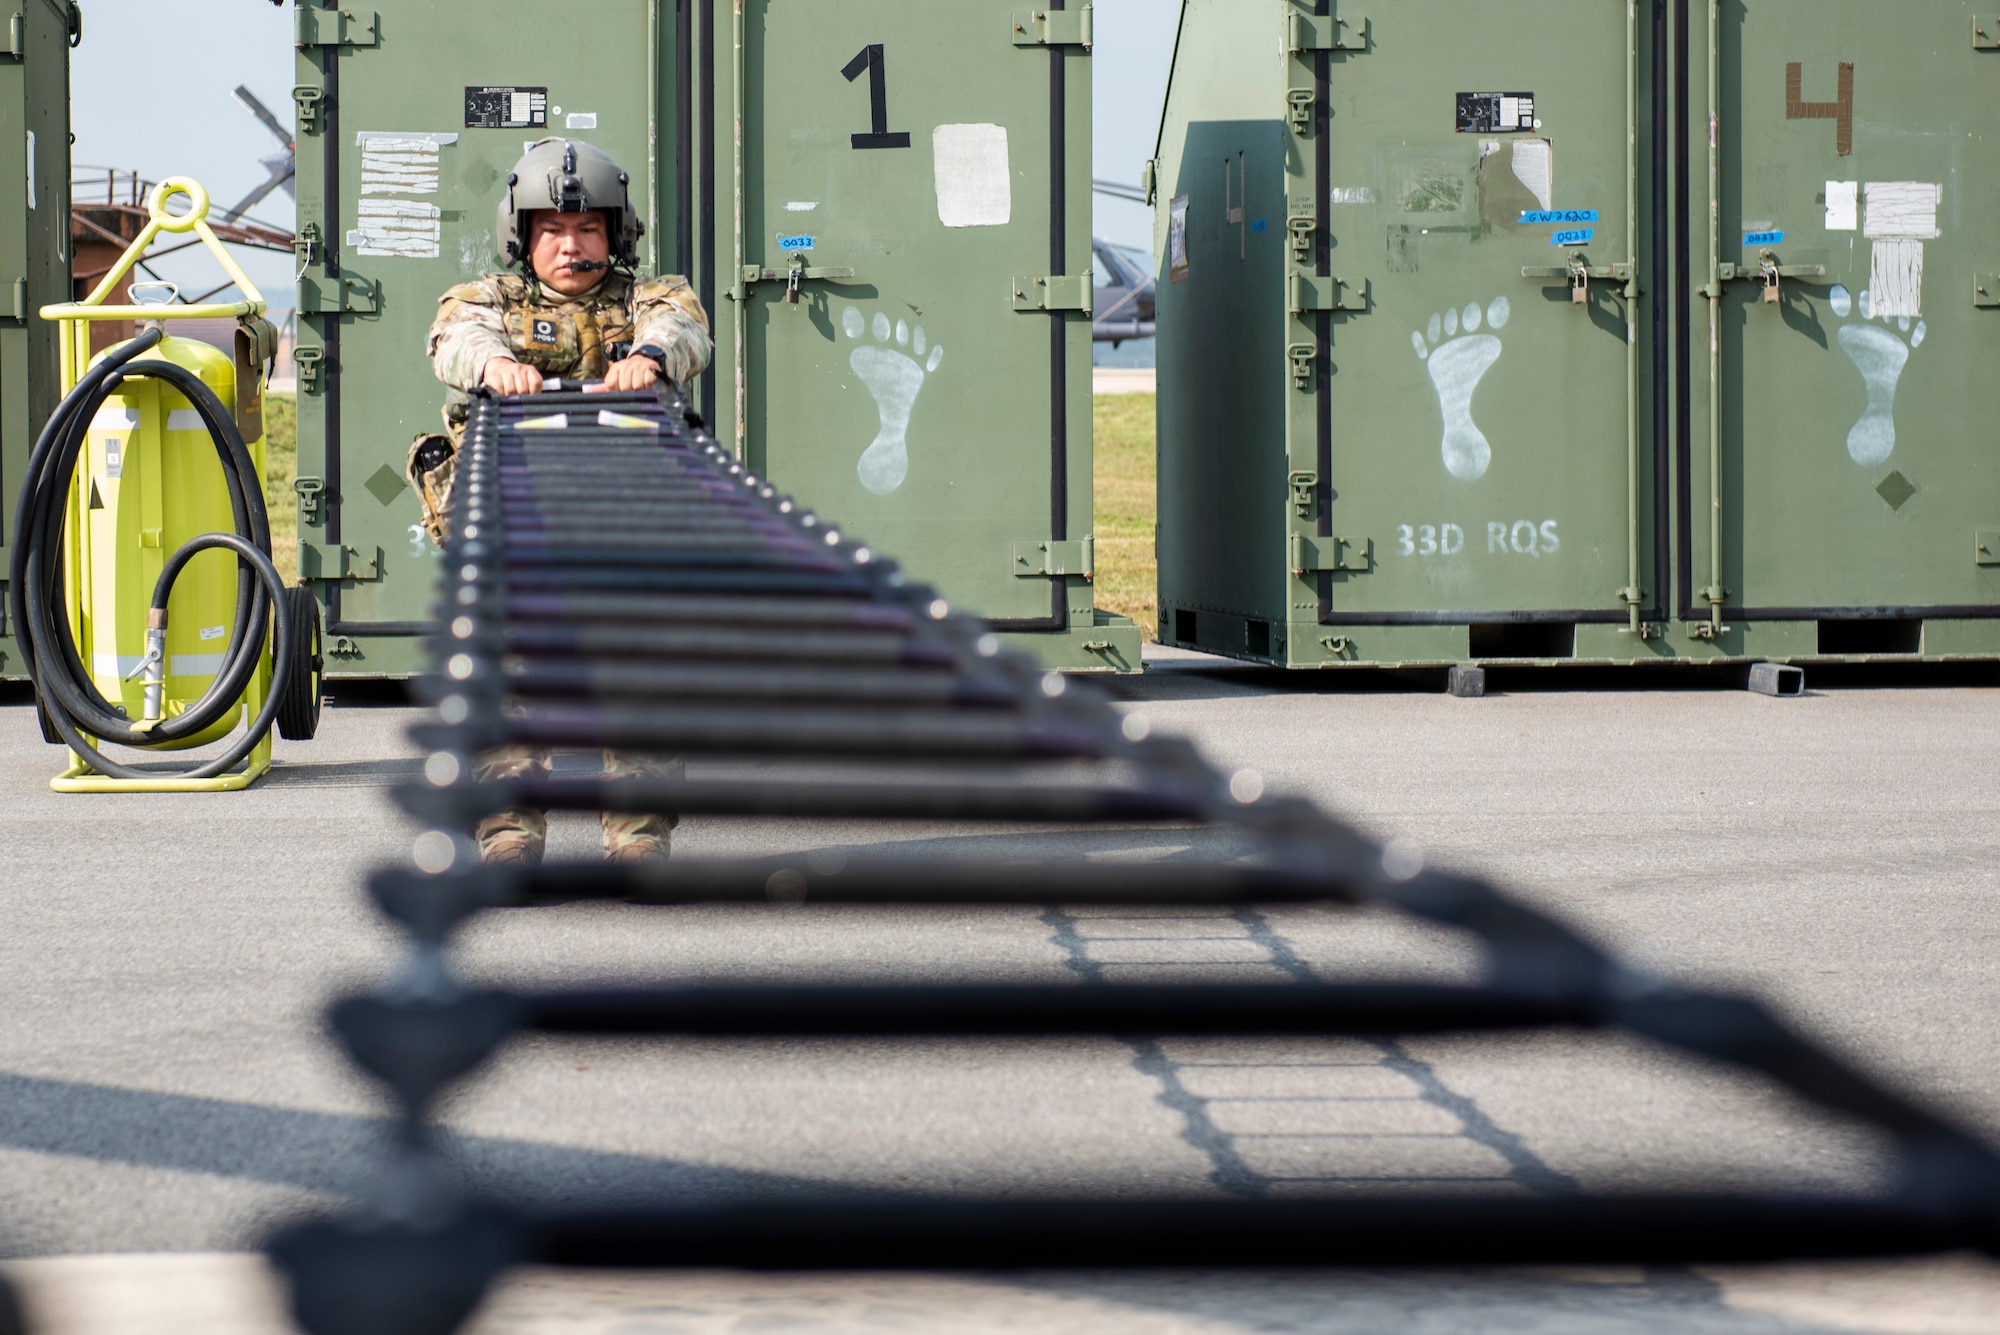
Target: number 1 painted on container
[[880, 136]]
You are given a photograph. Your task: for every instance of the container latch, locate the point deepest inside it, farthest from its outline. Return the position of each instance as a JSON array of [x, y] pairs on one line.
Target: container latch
[[308, 360], [1299, 109], [308, 97], [311, 491], [1302, 355], [1303, 485]]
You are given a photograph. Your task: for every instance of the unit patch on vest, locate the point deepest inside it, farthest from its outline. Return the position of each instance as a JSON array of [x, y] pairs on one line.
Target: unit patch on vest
[[542, 333]]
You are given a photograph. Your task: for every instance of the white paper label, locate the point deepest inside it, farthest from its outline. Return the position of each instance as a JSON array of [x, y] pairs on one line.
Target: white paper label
[[580, 120], [214, 632], [400, 164], [1903, 210], [1896, 278], [1843, 206], [974, 186], [1535, 167], [406, 227]]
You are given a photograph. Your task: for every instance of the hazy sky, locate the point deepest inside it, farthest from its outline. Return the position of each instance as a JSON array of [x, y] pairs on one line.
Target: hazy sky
[[206, 47], [1134, 47], [210, 46]]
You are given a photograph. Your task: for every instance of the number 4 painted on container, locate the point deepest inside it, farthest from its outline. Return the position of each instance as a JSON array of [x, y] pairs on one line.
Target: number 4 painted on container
[[870, 59]]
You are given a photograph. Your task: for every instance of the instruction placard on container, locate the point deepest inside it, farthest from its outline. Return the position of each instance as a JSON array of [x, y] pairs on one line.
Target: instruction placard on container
[[1487, 113], [502, 107]]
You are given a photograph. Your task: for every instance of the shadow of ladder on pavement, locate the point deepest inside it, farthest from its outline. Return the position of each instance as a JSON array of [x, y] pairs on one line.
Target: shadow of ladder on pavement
[[1288, 1115]]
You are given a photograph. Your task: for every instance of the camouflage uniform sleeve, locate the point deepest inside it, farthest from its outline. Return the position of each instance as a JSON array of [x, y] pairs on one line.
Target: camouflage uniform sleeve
[[470, 330], [667, 314]]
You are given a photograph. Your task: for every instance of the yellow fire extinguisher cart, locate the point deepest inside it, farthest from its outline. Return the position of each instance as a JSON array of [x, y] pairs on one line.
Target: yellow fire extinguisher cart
[[142, 584]]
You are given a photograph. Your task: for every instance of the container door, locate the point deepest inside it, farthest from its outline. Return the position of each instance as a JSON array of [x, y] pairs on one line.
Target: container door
[[1480, 448], [409, 119], [34, 247], [906, 342], [1855, 294]]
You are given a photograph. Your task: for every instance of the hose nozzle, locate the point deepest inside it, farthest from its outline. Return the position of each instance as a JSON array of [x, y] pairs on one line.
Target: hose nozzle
[[154, 666]]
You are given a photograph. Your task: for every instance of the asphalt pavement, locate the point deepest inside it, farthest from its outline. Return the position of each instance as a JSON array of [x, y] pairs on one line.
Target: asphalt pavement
[[167, 1094]]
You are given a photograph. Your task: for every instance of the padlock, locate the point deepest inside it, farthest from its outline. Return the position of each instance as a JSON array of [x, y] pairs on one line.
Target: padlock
[[1579, 285]]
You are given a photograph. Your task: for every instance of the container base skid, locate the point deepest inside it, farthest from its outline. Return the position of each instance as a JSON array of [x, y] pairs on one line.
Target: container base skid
[[1104, 643], [1803, 643], [1107, 643]]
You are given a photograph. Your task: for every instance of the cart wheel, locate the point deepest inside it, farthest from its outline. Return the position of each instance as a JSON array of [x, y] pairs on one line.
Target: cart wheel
[[299, 693]]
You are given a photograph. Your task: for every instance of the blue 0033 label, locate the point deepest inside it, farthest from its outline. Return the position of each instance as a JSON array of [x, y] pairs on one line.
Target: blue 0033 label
[[795, 243], [1763, 238], [1575, 236]]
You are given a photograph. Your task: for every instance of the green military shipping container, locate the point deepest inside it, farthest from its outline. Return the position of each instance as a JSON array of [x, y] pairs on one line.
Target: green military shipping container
[[1843, 492], [1404, 381], [1436, 382], [34, 241], [884, 205]]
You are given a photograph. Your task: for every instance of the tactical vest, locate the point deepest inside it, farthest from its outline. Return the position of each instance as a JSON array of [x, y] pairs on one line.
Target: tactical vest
[[570, 337]]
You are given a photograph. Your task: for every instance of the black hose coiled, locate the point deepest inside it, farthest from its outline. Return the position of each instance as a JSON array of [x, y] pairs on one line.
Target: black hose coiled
[[71, 700]]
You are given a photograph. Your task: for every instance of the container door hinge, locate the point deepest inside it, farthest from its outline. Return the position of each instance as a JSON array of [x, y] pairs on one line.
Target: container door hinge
[[1986, 547], [1986, 289], [1304, 492], [1313, 32], [17, 35], [334, 27], [18, 291], [1312, 293], [1356, 556], [1048, 556], [1052, 27], [1985, 33], [1055, 558], [336, 296], [311, 491], [1060, 292], [321, 560], [1149, 180]]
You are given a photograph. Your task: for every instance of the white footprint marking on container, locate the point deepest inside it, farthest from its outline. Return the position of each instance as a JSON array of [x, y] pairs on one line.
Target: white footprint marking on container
[[894, 378], [1880, 356], [1456, 369]]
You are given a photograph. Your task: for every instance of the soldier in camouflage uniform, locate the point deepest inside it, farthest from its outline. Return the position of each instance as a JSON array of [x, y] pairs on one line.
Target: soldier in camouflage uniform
[[575, 311]]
